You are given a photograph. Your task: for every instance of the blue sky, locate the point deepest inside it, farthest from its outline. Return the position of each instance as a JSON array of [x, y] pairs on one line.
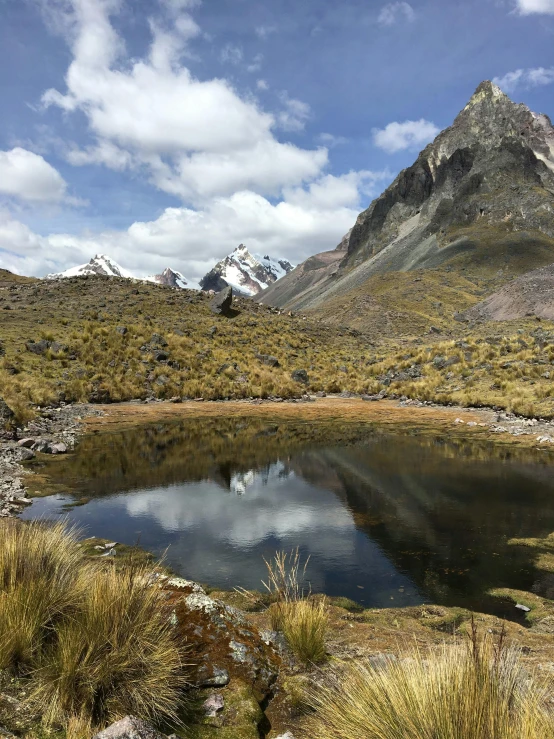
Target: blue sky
[[166, 132]]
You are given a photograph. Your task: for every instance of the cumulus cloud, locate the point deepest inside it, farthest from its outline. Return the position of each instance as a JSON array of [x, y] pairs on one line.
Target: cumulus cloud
[[525, 78], [408, 135], [262, 85], [28, 176], [394, 12], [153, 115], [305, 221], [529, 7]]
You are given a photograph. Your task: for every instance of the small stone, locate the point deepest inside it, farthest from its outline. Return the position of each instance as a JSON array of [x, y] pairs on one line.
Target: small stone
[[122, 330], [213, 704]]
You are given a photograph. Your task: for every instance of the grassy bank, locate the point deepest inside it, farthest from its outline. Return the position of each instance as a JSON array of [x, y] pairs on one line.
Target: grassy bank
[[108, 340]]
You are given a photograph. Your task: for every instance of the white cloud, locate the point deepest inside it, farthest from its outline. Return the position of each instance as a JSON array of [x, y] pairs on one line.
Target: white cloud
[[264, 31], [153, 116], [395, 12], [231, 54], [28, 176], [529, 7], [408, 135], [525, 78], [262, 85], [294, 115], [330, 140], [306, 221], [256, 64]]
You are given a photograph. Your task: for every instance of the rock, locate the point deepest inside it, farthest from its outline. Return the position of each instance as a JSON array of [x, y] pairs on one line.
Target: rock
[[268, 359], [158, 340], [26, 454], [161, 356], [523, 608], [213, 704], [288, 735], [122, 330], [129, 727], [58, 448], [6, 414], [221, 303], [218, 678], [300, 375]]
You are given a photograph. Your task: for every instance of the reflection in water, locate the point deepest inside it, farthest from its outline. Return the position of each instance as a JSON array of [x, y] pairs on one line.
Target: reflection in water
[[387, 520]]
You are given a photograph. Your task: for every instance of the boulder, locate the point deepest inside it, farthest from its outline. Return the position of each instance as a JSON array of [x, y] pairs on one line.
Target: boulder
[[222, 302], [129, 727], [300, 375], [268, 359]]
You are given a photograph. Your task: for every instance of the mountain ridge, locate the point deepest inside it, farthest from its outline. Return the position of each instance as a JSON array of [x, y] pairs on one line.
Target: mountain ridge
[[486, 177]]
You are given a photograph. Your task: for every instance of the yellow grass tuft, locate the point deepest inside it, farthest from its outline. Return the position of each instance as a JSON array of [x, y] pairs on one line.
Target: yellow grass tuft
[[477, 691]]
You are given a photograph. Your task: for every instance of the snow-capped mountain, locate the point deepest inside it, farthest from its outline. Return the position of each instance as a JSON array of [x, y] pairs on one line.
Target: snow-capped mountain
[[99, 265], [247, 273], [171, 278]]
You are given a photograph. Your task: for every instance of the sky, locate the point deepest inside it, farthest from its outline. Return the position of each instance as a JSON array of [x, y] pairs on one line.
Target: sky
[[167, 132]]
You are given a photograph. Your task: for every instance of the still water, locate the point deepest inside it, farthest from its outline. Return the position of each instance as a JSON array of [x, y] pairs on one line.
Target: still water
[[387, 520]]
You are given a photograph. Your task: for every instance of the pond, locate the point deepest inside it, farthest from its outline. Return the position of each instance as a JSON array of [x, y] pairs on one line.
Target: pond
[[387, 520]]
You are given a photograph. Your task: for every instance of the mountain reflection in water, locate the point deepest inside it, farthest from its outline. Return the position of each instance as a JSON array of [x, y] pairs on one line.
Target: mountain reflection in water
[[387, 520]]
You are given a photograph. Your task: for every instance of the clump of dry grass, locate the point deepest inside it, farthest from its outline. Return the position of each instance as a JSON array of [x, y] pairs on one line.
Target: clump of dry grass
[[116, 655], [477, 691], [305, 624], [38, 572], [303, 620], [95, 643]]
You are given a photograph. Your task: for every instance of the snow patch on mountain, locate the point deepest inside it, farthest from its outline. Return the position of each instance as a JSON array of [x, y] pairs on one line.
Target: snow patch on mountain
[[98, 265], [246, 273]]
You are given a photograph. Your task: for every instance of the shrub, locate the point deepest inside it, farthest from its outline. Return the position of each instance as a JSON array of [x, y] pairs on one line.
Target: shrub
[[476, 691]]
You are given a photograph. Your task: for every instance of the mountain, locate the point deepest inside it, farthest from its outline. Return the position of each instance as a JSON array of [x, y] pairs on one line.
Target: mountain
[[170, 278], [476, 208], [247, 273], [98, 265]]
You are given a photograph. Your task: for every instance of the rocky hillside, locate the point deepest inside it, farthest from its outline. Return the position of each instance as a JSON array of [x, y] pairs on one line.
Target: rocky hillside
[[246, 273], [477, 200], [170, 278], [531, 294]]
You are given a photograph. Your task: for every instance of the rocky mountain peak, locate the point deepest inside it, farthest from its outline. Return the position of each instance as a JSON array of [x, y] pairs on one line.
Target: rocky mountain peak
[[245, 272]]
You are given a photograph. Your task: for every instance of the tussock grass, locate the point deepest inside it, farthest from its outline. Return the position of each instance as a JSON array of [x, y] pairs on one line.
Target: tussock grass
[[303, 620], [116, 655], [94, 642], [305, 624], [38, 572], [477, 691]]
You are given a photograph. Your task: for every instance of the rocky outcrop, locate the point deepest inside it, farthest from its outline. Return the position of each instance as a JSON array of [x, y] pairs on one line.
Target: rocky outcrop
[[222, 302], [485, 180]]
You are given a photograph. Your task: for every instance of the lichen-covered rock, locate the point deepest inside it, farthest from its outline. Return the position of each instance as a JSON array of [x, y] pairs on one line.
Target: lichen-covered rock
[[224, 646]]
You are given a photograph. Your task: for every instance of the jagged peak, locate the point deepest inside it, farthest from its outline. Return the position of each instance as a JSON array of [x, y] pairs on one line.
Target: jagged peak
[[487, 90]]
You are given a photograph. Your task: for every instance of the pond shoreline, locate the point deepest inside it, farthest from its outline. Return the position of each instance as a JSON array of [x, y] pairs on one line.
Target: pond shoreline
[[65, 425]]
